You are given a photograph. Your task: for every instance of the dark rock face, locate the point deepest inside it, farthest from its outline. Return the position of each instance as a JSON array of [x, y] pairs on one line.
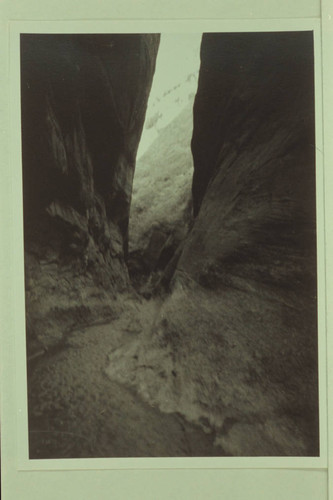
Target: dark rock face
[[254, 240], [84, 100], [254, 157], [240, 327], [255, 90]]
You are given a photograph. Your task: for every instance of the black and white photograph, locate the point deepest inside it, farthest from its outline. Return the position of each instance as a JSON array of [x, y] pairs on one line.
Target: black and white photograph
[[170, 244]]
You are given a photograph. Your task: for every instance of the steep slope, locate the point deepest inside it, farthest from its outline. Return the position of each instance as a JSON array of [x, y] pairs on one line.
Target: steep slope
[[161, 200], [165, 105], [235, 344], [84, 100]]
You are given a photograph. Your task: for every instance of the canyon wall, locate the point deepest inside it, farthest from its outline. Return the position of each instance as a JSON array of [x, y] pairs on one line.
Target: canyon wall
[[254, 240], [84, 101], [235, 346]]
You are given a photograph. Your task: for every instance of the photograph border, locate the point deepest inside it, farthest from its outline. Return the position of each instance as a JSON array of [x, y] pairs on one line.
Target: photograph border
[[170, 462], [291, 482]]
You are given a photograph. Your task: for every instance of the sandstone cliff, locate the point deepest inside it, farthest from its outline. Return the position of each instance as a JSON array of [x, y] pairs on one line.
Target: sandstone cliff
[[84, 100]]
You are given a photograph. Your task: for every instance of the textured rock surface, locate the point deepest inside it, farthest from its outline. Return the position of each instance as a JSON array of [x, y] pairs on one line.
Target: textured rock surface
[[84, 100], [76, 411], [254, 142], [235, 345]]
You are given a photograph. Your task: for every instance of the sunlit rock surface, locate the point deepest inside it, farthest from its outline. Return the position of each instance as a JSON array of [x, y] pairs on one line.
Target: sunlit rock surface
[[84, 100]]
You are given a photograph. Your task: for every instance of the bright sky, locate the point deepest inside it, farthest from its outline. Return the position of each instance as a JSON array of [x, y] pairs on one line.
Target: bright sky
[[178, 56]]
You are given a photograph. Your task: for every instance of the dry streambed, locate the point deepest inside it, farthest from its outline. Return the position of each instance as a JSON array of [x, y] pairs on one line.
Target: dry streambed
[[78, 411]]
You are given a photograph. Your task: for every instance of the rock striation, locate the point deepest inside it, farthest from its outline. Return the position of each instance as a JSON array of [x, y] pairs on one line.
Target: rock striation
[[84, 100], [254, 161]]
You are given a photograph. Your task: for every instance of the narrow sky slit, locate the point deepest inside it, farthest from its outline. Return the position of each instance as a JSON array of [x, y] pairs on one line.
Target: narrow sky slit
[[175, 82], [161, 193]]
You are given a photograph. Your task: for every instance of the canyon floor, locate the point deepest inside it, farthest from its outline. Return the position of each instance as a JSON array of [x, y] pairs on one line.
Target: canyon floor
[[76, 410]]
